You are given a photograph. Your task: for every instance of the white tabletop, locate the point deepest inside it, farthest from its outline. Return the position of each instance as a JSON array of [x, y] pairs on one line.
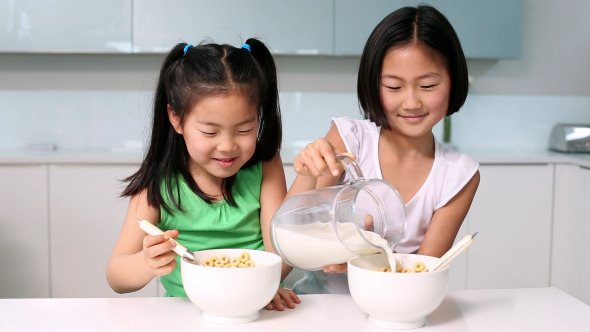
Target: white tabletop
[[527, 309]]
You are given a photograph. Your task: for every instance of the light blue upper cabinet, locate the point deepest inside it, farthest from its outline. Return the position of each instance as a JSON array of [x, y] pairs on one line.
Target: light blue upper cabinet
[[488, 29], [287, 27], [89, 26]]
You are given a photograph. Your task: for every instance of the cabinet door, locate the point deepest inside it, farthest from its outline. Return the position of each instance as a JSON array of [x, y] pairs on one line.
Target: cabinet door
[[570, 270], [287, 27], [486, 29], [512, 213], [65, 26], [86, 217], [24, 247], [290, 175]]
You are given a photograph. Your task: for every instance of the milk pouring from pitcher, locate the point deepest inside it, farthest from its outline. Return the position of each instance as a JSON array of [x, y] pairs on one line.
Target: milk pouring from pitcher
[[331, 225]]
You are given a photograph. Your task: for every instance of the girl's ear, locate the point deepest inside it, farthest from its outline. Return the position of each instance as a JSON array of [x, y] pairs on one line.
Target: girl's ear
[[174, 119]]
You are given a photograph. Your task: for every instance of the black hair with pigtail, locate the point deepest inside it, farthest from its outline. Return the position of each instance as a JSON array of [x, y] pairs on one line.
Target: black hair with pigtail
[[189, 74]]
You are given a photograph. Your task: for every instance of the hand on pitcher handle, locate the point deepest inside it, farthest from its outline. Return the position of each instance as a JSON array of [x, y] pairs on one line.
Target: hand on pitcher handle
[[319, 159]]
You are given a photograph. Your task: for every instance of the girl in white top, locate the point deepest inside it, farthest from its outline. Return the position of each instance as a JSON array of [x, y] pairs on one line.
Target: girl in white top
[[412, 74]]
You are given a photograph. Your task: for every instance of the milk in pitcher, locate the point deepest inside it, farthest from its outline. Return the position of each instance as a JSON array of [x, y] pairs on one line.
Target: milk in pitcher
[[315, 245]]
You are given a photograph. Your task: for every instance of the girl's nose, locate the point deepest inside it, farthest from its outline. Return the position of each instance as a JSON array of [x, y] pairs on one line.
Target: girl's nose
[[226, 144], [411, 100]]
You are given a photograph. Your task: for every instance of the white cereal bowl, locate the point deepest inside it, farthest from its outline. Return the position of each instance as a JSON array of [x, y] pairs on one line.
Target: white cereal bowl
[[396, 300], [231, 295]]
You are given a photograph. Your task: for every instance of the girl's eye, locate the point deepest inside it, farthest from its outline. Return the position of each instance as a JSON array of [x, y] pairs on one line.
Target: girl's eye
[[244, 131], [394, 88], [428, 87], [207, 133]]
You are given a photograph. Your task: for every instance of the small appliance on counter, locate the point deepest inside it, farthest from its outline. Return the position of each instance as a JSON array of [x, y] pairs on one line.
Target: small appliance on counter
[[573, 138]]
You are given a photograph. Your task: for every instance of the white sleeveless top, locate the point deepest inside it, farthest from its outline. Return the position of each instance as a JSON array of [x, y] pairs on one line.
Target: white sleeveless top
[[450, 172]]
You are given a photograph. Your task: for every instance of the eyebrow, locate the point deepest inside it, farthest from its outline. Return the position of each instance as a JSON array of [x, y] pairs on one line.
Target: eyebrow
[[207, 123], [427, 75]]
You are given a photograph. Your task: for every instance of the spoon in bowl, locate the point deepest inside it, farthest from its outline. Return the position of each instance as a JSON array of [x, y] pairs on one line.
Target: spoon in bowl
[[455, 251], [180, 250]]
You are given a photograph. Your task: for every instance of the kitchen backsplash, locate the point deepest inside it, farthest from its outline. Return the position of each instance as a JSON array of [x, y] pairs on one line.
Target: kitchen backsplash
[[121, 119]]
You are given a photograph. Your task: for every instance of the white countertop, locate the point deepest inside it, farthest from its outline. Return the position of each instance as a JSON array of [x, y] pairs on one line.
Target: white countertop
[[135, 156], [527, 309], [71, 156]]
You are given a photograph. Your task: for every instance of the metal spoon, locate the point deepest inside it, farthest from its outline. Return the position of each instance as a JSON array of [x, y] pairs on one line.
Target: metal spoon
[[181, 250]]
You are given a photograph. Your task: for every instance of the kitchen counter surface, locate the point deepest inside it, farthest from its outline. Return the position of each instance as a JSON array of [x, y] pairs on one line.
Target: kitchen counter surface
[[527, 309], [71, 156], [135, 156]]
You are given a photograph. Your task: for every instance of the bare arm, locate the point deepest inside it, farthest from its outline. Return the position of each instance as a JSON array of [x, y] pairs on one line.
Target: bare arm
[[447, 220], [137, 257], [316, 165], [272, 192]]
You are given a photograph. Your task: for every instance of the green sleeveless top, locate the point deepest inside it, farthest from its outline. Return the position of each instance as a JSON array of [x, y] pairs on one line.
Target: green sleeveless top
[[216, 225]]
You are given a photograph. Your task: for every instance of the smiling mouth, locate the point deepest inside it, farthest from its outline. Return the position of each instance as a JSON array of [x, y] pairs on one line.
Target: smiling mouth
[[225, 162], [412, 118]]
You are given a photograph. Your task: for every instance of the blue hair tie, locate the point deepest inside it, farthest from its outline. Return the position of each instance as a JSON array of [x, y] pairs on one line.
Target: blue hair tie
[[187, 47], [246, 46]]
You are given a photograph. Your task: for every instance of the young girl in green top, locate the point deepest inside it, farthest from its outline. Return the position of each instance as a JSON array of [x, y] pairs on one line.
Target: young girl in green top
[[212, 176]]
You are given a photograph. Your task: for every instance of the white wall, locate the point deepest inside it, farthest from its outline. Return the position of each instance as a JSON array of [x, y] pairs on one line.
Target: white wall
[[89, 101], [555, 54]]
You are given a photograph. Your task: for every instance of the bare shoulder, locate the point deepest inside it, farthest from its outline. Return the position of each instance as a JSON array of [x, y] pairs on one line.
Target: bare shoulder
[[273, 175], [333, 136], [273, 165], [140, 208]]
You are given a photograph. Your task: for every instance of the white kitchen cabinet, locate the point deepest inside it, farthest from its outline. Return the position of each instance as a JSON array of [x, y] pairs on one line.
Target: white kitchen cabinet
[[24, 246], [287, 27], [570, 270], [290, 175], [512, 213], [458, 268], [86, 216], [486, 29], [95, 26], [64, 221]]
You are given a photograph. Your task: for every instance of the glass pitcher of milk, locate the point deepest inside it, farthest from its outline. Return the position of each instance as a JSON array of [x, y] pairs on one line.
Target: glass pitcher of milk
[[331, 225]]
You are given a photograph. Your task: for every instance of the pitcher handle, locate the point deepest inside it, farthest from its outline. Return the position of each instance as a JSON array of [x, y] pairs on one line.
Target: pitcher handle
[[351, 168]]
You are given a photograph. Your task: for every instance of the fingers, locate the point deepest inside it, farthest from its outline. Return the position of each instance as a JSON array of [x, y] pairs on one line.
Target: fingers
[[157, 250], [270, 306], [300, 167], [276, 303], [283, 298], [173, 233], [369, 225], [337, 268], [289, 297], [349, 155], [318, 159]]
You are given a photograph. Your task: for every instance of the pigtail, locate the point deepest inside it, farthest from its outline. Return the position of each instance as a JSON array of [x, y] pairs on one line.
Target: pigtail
[[270, 128], [165, 152]]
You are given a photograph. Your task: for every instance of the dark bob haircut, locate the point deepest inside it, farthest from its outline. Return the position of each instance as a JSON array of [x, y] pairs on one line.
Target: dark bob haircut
[[425, 27]]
